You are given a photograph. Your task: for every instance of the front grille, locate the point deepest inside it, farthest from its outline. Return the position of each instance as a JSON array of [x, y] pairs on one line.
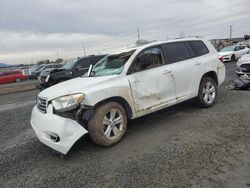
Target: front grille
[[41, 104], [245, 67]]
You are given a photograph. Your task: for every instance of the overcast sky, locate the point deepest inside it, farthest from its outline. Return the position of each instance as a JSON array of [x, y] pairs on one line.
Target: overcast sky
[[45, 29]]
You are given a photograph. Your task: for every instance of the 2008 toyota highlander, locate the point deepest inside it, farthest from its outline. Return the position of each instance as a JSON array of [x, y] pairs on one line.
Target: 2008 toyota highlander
[[124, 86]]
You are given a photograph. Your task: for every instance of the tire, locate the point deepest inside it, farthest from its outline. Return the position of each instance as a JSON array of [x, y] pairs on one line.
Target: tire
[[102, 128], [18, 80], [239, 75], [233, 58], [207, 96]]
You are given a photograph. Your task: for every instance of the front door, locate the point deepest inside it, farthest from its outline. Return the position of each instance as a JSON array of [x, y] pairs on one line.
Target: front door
[[151, 81]]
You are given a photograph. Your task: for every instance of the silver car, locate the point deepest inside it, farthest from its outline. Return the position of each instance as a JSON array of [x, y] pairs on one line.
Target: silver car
[[243, 65]]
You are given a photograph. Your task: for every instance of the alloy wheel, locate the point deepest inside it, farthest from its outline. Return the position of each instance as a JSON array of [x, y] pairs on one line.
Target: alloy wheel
[[113, 123], [209, 92]]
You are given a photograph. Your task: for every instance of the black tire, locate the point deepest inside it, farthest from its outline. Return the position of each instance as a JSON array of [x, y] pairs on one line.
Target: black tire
[[233, 58], [99, 131], [239, 75], [18, 79], [202, 100]]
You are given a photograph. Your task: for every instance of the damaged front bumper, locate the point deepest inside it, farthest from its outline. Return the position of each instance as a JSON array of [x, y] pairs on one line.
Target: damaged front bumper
[[54, 131], [241, 71]]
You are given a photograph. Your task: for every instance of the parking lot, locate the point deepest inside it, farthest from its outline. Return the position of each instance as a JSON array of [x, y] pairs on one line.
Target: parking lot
[[182, 146]]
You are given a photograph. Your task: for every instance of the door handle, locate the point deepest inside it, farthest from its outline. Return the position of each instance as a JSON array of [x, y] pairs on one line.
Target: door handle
[[166, 72], [197, 63]]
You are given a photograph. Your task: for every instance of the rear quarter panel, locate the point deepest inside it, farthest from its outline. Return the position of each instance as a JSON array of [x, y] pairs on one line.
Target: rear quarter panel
[[212, 63]]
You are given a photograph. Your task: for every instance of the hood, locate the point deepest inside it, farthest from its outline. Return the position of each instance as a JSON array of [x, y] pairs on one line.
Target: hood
[[76, 85], [225, 53], [245, 58]]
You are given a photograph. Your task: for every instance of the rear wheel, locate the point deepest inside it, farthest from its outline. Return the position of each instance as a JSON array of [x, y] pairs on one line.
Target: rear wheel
[[207, 92], [18, 80], [108, 124], [233, 58]]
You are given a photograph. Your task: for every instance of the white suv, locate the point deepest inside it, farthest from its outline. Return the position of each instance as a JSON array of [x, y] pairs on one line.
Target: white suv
[[124, 86]]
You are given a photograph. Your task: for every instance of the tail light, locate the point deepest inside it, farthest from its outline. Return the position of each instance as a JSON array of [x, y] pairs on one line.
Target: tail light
[[221, 59]]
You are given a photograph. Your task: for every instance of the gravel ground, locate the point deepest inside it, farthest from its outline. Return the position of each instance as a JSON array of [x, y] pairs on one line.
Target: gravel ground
[[182, 146], [17, 84]]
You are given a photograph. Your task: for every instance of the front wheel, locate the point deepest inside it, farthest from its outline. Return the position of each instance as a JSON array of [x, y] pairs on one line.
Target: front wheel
[[207, 92], [108, 124], [233, 58], [18, 80]]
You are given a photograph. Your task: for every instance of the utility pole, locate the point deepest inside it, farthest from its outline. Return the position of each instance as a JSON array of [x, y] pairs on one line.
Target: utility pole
[[84, 50], [57, 54], [182, 34], [230, 31], [138, 33]]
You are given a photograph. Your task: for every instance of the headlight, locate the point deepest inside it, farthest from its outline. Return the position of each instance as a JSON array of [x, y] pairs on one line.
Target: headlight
[[68, 102]]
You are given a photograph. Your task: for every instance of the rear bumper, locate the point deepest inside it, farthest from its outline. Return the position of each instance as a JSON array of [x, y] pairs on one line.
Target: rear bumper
[[221, 74], [46, 126]]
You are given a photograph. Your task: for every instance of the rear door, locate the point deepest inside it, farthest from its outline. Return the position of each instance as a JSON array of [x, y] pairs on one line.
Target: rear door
[[150, 80], [238, 52], [186, 68]]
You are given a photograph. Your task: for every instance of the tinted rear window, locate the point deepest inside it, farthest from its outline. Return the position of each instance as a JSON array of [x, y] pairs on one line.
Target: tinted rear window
[[198, 47], [85, 62], [12, 72], [176, 52]]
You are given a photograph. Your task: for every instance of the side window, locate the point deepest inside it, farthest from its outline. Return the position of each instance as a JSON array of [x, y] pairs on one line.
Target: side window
[[242, 47], [94, 60], [177, 51], [198, 47], [3, 74], [84, 63], [147, 59], [237, 48]]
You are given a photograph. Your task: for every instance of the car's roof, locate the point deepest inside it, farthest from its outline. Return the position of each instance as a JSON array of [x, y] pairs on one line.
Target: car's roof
[[156, 43], [10, 71], [90, 56]]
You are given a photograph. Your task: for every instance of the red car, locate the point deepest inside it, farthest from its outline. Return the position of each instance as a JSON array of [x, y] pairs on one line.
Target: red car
[[12, 76]]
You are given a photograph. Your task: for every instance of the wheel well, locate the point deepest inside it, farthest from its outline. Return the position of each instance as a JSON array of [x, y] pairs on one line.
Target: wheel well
[[211, 74], [119, 100]]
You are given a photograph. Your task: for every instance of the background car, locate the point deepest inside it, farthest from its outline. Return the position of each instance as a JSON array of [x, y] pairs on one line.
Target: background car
[[32, 69], [72, 69], [232, 53], [243, 65], [12, 76], [36, 72], [43, 75]]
